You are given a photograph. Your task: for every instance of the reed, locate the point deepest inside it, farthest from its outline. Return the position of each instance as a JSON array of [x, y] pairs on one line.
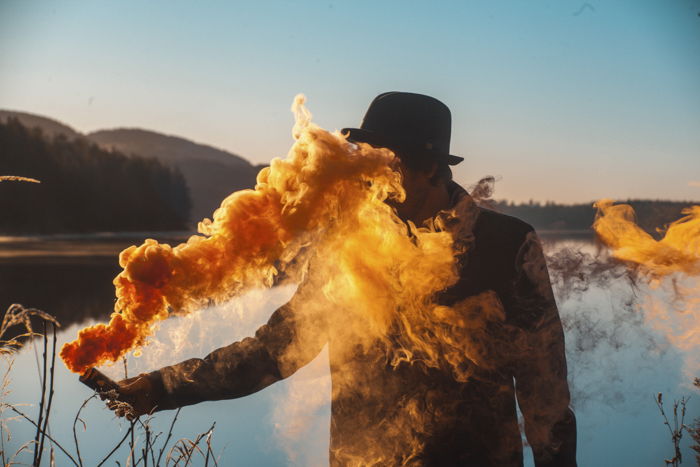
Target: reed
[[15, 178], [144, 446]]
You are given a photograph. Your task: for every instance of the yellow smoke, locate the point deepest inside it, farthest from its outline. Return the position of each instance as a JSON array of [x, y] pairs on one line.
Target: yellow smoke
[[677, 251], [325, 200], [676, 256]]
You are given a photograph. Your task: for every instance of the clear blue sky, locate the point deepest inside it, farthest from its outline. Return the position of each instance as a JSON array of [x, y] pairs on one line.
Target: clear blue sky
[[563, 100]]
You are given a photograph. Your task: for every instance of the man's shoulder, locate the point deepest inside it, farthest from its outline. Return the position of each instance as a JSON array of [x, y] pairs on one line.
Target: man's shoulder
[[503, 222], [496, 228], [488, 224]]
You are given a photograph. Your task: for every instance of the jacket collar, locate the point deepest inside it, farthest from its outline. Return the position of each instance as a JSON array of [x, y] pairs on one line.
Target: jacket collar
[[460, 218]]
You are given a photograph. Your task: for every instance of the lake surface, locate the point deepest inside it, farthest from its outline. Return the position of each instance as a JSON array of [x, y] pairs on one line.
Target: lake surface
[[617, 364]]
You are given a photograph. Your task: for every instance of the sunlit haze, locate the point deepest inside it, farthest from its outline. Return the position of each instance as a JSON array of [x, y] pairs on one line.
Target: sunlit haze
[[568, 101]]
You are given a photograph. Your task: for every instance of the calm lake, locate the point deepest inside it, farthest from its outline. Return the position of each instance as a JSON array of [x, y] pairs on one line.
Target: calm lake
[[617, 364]]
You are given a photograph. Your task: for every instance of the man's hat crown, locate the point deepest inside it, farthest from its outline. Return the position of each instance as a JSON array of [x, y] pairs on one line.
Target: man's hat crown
[[412, 125]]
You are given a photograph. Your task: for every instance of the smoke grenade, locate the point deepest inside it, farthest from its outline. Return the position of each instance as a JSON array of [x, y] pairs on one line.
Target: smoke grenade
[[98, 381]]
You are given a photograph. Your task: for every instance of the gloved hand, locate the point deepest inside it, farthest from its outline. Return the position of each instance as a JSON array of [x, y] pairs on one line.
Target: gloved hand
[[135, 397]]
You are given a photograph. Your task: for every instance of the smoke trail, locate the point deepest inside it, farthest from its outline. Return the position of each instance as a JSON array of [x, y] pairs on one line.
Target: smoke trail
[[253, 236], [671, 267], [319, 218], [325, 200], [677, 252]]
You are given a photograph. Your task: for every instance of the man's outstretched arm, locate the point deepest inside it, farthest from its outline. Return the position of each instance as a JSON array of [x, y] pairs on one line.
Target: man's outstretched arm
[[540, 365], [288, 341]]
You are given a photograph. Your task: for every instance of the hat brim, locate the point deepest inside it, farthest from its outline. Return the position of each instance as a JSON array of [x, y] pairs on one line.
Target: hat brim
[[359, 135]]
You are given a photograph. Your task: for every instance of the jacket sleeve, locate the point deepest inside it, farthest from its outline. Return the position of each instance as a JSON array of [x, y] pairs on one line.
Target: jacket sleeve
[[290, 339], [540, 364]]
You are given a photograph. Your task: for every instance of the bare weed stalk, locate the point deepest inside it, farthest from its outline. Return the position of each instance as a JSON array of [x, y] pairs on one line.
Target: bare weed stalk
[[144, 446], [694, 431], [15, 178], [676, 430]]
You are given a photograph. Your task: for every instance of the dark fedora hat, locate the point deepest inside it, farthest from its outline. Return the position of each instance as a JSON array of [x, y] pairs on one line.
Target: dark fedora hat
[[416, 127]]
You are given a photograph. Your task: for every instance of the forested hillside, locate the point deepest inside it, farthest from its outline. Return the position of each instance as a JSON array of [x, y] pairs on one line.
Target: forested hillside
[[84, 188], [49, 126], [211, 174]]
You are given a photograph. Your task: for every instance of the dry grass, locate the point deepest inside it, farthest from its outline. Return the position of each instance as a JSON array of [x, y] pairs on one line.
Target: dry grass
[[15, 178], [144, 446], [676, 428], [695, 430]]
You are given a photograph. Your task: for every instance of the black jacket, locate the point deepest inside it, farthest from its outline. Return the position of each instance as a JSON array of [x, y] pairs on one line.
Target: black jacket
[[413, 414]]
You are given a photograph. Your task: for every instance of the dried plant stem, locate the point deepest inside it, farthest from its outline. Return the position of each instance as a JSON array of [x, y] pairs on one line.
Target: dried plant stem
[[153, 452], [37, 453], [56, 443], [169, 435], [51, 391], [3, 388], [132, 443], [209, 451], [19, 451], [144, 451], [75, 433], [194, 445], [126, 435], [206, 459], [15, 178], [678, 427], [140, 448], [2, 443]]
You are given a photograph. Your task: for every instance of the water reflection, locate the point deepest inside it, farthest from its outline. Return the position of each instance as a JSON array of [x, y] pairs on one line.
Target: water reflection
[[617, 364], [69, 276], [73, 289]]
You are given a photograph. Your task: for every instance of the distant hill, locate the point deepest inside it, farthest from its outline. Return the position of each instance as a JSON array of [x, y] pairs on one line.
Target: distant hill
[[48, 126], [211, 174], [84, 188]]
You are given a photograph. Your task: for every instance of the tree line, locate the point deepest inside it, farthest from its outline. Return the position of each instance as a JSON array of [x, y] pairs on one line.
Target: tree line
[[651, 215], [84, 188]]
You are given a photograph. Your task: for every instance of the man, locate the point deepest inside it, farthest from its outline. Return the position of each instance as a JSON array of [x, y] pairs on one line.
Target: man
[[411, 413]]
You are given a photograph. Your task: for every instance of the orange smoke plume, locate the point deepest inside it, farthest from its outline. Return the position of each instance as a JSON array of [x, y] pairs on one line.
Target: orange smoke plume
[[328, 194], [676, 256], [677, 251]]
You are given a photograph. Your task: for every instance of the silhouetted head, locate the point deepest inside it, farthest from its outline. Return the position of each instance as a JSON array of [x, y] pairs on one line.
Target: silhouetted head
[[417, 128]]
